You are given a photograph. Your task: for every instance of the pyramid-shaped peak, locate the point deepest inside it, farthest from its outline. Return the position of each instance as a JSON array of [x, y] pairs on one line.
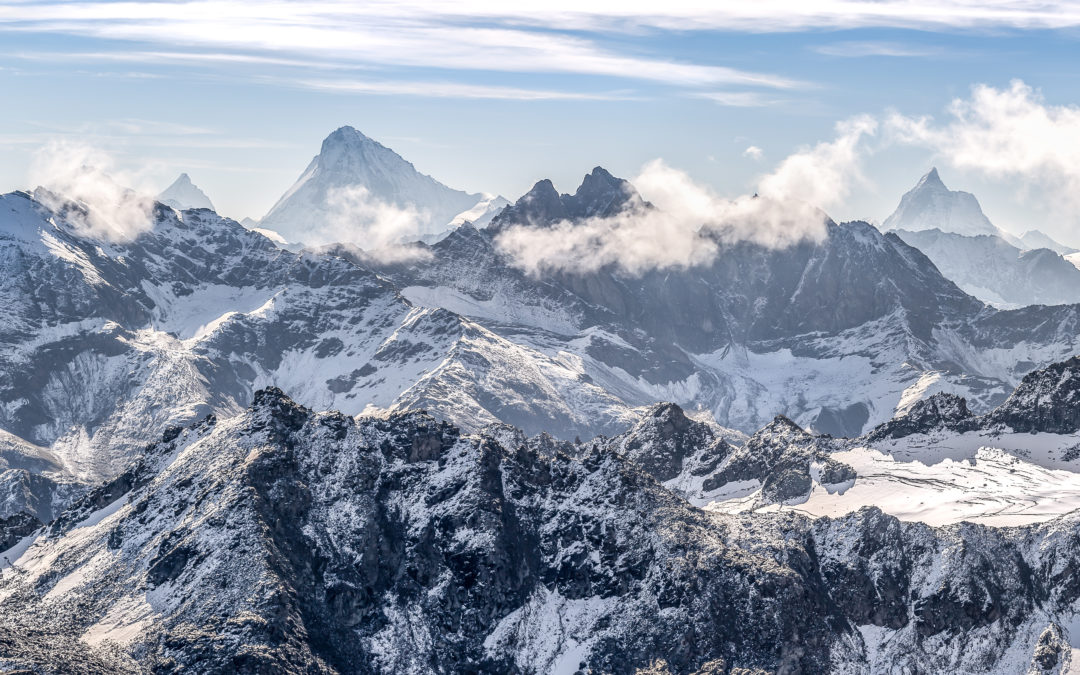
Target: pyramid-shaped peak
[[345, 136], [931, 180], [183, 194], [349, 161], [930, 205]]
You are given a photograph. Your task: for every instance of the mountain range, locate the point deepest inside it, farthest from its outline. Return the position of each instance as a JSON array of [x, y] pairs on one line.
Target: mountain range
[[281, 539], [218, 454], [987, 262]]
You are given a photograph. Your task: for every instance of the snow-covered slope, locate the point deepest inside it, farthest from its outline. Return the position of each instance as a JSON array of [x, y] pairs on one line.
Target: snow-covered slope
[[837, 335], [283, 540], [937, 463], [930, 205], [1037, 239], [105, 344], [997, 272], [183, 194], [990, 264], [355, 182]]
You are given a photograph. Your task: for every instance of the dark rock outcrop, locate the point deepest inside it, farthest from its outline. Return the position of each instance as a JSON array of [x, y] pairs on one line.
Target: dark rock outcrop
[[939, 412], [1047, 401], [291, 541]]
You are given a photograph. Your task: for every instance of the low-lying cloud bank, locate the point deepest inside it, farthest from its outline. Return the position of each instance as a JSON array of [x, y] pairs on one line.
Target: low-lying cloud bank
[[380, 228], [690, 222], [1005, 134], [77, 172]]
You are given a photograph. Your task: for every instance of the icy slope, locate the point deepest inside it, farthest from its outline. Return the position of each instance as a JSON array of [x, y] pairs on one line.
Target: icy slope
[[937, 463]]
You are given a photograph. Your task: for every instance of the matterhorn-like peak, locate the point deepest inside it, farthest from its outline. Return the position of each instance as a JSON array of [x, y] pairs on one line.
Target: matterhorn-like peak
[[183, 194], [932, 206]]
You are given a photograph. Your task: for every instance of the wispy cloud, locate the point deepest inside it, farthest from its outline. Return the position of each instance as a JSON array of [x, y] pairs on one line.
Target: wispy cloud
[[180, 57], [1006, 133], [76, 172], [485, 36], [472, 37], [863, 49], [600, 16], [453, 90], [741, 99]]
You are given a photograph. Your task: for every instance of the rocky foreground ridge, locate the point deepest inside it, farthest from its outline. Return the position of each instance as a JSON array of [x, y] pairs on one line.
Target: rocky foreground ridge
[[288, 540]]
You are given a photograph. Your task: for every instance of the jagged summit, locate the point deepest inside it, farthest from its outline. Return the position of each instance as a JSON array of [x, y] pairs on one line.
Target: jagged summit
[[354, 176], [931, 205], [1045, 401], [183, 194], [931, 180], [600, 195]]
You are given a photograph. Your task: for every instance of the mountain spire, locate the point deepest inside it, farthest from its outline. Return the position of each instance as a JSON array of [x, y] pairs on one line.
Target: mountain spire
[[931, 180], [328, 203], [183, 194], [932, 206]]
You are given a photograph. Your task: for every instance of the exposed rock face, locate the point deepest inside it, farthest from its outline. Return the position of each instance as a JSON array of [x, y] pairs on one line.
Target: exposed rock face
[[334, 538], [941, 411], [294, 541], [779, 456], [1047, 400], [600, 195], [665, 442], [718, 336], [103, 347]]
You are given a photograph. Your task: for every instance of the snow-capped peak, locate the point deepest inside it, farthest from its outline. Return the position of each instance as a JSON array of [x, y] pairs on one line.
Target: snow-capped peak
[[930, 205], [183, 194], [354, 183], [931, 181]]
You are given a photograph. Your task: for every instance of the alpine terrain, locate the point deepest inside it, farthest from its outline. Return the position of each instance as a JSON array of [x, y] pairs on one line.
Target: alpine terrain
[[221, 452], [985, 261], [355, 178]]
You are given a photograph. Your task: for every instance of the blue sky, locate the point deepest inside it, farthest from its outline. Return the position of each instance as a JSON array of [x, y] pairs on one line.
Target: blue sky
[[487, 98]]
